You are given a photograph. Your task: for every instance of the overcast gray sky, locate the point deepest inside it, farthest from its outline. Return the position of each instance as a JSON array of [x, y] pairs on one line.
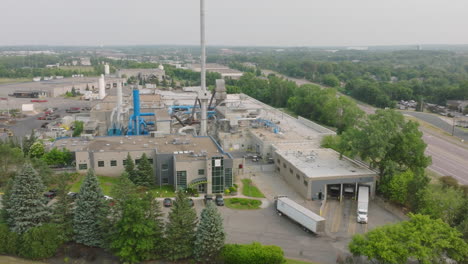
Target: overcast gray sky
[[234, 22]]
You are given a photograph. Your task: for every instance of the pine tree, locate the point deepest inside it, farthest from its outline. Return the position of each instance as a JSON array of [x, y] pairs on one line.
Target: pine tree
[[180, 230], [123, 188], [138, 235], [63, 213], [210, 235], [90, 213], [130, 168], [144, 172], [26, 204]]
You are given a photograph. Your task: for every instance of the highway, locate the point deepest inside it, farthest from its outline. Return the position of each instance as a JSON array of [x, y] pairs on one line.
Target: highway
[[448, 158]]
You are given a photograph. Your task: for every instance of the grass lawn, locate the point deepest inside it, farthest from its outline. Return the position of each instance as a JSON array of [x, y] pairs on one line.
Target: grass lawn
[[107, 183], [14, 80], [163, 191], [251, 190], [293, 261], [242, 203]]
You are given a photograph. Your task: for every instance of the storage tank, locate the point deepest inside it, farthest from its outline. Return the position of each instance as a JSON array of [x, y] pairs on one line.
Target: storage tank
[[102, 87], [106, 69]]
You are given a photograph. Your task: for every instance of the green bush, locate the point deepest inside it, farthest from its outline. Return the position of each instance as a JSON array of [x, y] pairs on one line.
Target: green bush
[[448, 181], [9, 241], [254, 253], [227, 191], [232, 189], [235, 185], [40, 242]]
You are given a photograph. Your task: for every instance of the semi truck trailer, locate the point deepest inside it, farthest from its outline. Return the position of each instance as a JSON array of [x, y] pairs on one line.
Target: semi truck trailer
[[363, 204], [299, 214]]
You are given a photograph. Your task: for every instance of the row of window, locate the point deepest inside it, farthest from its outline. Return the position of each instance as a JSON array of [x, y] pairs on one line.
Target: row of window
[[113, 163]]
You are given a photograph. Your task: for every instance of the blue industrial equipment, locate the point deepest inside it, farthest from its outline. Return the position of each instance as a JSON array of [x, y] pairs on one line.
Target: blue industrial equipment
[[268, 124], [137, 124]]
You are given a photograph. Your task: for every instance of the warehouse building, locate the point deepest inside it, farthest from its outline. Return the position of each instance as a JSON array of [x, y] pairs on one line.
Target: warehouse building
[[180, 161], [321, 173]]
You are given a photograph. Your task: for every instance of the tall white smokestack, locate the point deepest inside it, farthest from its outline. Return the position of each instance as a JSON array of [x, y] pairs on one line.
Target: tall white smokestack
[[106, 69], [203, 96], [102, 87], [119, 95]]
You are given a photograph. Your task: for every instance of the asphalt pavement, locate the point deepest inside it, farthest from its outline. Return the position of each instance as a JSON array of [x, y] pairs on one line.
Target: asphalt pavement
[[438, 122]]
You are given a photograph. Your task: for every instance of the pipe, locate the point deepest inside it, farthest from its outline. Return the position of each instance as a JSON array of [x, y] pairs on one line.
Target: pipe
[[136, 111], [183, 129]]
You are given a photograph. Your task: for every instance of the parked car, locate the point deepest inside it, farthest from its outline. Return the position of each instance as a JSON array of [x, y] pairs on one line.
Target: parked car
[[219, 200], [72, 195], [38, 101], [44, 125], [208, 198], [42, 118], [167, 202], [51, 194], [190, 202]]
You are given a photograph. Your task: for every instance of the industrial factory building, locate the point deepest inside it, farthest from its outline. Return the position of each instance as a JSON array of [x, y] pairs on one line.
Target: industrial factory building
[[180, 161], [56, 87]]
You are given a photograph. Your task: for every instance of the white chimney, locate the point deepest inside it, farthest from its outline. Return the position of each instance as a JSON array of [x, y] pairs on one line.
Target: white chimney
[[106, 69], [102, 87]]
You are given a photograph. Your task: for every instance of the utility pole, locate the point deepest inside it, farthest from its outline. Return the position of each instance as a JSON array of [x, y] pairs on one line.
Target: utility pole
[[453, 125]]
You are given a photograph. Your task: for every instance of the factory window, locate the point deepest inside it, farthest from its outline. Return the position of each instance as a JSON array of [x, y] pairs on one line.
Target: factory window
[[83, 166], [165, 173], [297, 176], [100, 163], [113, 163], [217, 174], [124, 162], [150, 161], [291, 171], [284, 165], [306, 183], [137, 161], [227, 177], [181, 179], [201, 172]]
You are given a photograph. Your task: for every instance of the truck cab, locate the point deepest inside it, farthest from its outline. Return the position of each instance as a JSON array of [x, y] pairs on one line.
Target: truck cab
[[362, 215]]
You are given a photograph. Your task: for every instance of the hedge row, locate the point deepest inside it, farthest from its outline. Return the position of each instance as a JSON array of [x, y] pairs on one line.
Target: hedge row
[[37, 243], [254, 253]]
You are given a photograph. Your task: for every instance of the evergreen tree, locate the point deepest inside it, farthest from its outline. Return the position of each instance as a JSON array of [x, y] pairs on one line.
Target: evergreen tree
[[90, 212], [130, 168], [144, 172], [63, 213], [138, 235], [210, 235], [26, 204], [180, 230], [123, 188]]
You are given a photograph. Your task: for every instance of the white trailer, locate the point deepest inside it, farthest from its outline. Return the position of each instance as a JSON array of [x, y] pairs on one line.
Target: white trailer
[[301, 215], [363, 204]]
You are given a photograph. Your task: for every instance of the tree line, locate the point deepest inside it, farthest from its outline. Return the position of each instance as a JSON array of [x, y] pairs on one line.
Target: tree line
[[379, 77]]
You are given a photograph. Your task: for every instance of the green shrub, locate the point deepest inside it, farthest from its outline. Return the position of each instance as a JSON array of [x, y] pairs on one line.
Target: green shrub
[[9, 241], [448, 181], [254, 253], [40, 242], [227, 192], [235, 186], [232, 189]]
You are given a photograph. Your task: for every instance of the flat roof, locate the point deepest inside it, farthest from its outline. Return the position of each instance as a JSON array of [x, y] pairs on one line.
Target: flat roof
[[321, 163], [185, 147]]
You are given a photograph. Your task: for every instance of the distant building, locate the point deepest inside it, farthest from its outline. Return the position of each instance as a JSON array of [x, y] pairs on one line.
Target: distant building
[[457, 105]]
